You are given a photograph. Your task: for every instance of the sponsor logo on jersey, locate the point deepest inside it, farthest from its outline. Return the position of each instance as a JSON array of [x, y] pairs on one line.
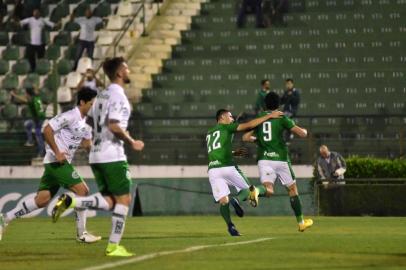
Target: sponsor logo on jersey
[[214, 163], [75, 175], [271, 154]]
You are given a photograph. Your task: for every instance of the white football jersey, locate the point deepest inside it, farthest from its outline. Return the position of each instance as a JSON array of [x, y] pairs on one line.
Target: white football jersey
[[110, 104], [69, 129]]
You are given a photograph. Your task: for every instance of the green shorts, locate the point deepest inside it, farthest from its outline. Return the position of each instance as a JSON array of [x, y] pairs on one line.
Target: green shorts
[[112, 178], [57, 175]]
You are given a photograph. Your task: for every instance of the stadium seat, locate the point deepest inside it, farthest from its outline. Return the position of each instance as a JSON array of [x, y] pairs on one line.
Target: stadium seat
[[4, 67], [62, 39], [64, 66], [20, 38], [73, 79], [125, 8], [115, 23], [64, 94], [43, 66], [11, 53], [84, 64], [53, 52], [52, 82], [4, 41], [10, 111], [22, 67], [47, 96], [102, 10], [60, 11], [4, 97], [31, 81], [10, 82], [71, 26]]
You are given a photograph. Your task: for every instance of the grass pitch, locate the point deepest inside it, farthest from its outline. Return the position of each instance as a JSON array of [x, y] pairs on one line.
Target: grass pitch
[[332, 243]]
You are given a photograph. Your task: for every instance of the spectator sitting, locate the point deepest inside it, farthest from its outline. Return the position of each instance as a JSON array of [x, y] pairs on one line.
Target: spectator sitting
[[90, 80], [35, 107], [260, 105], [256, 6], [36, 48], [290, 99], [87, 35], [331, 166]]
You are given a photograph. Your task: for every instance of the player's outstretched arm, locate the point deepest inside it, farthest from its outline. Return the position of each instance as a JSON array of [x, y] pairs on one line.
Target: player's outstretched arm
[[257, 121], [50, 140], [301, 132], [249, 137], [122, 134]]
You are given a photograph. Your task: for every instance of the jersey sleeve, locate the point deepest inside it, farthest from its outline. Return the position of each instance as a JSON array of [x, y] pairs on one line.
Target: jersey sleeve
[[60, 121], [288, 123]]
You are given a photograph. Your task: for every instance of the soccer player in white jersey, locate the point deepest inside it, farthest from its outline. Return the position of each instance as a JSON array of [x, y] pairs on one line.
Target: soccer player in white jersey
[[63, 134], [110, 114]]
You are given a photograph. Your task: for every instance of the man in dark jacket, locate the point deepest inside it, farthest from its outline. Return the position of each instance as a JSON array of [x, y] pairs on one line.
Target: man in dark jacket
[[331, 166], [290, 99]]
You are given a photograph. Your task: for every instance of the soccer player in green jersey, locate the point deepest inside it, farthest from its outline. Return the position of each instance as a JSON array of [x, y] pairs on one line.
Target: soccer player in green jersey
[[223, 171], [273, 157], [63, 134], [110, 115]]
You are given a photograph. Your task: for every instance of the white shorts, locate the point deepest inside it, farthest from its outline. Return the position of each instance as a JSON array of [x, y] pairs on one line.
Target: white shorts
[[221, 178], [269, 170]]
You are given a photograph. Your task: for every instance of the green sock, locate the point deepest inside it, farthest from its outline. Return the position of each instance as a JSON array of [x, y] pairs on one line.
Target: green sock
[[225, 212], [297, 208], [261, 190], [243, 194]]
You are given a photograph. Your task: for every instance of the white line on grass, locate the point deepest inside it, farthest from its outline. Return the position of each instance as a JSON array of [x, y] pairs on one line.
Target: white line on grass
[[165, 253]]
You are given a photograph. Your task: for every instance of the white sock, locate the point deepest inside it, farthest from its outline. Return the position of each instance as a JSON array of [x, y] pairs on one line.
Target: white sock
[[118, 223], [95, 201], [26, 207], [80, 220]]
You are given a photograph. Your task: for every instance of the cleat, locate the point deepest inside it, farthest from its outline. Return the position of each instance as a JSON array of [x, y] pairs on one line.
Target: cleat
[[88, 238], [3, 225], [253, 197], [306, 224], [115, 250], [237, 207], [64, 202], [233, 230]]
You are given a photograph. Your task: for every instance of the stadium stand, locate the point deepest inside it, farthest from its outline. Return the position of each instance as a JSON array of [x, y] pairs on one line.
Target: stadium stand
[[53, 75], [346, 56]]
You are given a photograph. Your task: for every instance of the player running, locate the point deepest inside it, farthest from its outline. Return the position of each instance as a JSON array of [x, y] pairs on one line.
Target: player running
[[223, 171], [273, 158], [110, 113], [63, 134]]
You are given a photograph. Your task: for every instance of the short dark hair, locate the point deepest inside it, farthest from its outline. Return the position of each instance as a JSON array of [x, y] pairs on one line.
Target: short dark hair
[[272, 101], [86, 94], [289, 80], [220, 113], [264, 81], [111, 66]]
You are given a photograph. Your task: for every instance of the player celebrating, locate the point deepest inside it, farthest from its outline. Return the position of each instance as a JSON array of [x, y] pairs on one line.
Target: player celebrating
[[273, 158], [222, 168], [63, 135], [110, 114]]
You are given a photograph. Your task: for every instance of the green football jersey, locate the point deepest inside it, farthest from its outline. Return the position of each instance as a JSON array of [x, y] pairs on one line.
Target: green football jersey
[[219, 145], [270, 142]]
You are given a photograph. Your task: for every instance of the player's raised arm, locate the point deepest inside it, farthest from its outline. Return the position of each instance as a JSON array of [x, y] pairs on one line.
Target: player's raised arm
[[255, 122], [301, 132], [249, 137], [122, 134], [50, 139]]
